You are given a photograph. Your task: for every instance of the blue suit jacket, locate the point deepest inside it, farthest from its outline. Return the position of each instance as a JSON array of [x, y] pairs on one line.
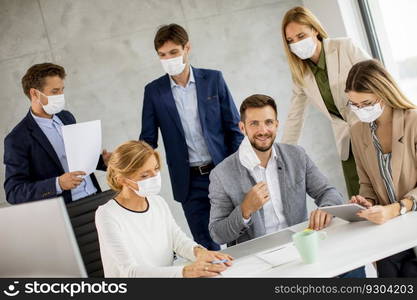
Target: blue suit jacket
[[32, 164], [219, 120]]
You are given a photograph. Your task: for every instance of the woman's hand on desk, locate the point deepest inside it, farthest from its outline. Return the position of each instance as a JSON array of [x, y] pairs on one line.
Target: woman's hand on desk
[[202, 269], [204, 266], [209, 256]]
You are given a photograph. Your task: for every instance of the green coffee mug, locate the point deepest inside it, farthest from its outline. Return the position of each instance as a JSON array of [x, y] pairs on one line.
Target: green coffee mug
[[307, 244]]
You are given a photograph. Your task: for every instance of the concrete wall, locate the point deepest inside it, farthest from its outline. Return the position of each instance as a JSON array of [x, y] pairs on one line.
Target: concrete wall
[[106, 47]]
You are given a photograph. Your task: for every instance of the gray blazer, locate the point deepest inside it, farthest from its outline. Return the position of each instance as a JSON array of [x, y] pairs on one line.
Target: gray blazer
[[230, 181]]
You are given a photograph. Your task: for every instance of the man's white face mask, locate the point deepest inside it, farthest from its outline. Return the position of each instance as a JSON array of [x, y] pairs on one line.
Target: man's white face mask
[[247, 155], [55, 104], [173, 66]]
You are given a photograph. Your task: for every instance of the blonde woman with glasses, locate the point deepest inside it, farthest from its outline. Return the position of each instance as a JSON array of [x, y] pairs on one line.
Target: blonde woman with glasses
[[136, 230], [384, 144], [319, 66]]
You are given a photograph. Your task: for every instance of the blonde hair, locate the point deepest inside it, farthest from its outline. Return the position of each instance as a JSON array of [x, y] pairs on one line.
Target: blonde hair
[[371, 77], [126, 160], [303, 16]]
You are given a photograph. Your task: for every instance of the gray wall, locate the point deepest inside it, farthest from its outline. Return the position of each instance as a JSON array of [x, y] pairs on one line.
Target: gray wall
[[106, 47]]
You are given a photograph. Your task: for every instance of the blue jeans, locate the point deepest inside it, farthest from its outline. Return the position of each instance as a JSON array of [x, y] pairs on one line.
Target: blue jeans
[[357, 273]]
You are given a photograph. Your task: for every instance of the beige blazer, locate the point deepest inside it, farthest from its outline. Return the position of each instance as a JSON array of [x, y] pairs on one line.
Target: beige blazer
[[341, 55], [403, 158]]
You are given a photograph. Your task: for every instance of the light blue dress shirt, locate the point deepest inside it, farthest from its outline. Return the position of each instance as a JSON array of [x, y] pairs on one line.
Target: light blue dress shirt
[[187, 106], [52, 129]]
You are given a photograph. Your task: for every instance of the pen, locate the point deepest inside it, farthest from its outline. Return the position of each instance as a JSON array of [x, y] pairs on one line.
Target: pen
[[219, 261]]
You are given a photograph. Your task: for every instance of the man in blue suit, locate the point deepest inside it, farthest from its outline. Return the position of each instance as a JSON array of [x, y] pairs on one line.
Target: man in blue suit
[[198, 120], [34, 152]]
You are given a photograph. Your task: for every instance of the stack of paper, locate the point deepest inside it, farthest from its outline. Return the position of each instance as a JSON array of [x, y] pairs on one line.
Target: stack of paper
[[279, 256], [246, 266], [82, 145], [260, 262]]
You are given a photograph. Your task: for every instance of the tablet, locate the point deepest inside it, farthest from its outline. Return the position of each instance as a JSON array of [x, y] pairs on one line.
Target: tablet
[[345, 211]]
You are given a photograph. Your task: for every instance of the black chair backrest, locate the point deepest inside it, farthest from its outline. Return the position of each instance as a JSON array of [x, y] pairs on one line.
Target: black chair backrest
[[82, 216]]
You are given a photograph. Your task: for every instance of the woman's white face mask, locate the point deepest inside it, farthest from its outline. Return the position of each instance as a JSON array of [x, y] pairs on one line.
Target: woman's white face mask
[[305, 48], [368, 114], [148, 187]]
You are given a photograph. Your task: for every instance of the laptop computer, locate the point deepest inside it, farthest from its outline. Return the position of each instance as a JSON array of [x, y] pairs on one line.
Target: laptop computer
[[37, 240], [260, 244]]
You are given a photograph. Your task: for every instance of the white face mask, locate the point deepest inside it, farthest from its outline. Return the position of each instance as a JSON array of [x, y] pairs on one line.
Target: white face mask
[[149, 187], [55, 104], [247, 155], [368, 114], [305, 48], [173, 66]]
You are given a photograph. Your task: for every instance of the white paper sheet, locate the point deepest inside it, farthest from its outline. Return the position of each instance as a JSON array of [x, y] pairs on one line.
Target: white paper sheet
[[246, 266], [82, 145], [279, 256]]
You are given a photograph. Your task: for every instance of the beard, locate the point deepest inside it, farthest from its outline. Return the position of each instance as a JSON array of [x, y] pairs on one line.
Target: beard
[[262, 148]]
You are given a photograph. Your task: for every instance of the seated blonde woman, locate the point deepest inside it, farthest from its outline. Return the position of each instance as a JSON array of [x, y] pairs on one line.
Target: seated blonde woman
[[384, 144], [136, 230]]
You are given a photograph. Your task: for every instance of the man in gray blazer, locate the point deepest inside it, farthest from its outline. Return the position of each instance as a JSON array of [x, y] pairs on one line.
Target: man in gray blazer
[[262, 187]]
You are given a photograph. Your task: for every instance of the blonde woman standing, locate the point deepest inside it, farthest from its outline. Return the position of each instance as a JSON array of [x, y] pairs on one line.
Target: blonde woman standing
[[384, 144], [136, 230], [319, 67]]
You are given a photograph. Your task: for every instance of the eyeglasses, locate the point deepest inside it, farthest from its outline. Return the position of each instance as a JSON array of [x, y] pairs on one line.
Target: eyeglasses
[[366, 105], [257, 124]]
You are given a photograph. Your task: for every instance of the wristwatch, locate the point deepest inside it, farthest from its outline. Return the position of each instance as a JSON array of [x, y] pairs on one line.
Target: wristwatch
[[412, 198], [403, 209]]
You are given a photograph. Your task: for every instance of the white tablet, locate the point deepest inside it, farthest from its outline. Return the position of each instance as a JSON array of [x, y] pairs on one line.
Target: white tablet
[[345, 211]]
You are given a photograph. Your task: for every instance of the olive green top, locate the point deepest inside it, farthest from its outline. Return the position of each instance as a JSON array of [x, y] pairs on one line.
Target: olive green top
[[320, 74], [349, 166]]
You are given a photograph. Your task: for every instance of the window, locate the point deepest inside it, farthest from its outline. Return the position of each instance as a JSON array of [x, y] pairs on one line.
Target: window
[[390, 27]]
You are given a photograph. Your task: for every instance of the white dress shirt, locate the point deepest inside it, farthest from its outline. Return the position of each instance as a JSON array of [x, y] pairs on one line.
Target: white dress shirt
[[187, 105], [273, 209]]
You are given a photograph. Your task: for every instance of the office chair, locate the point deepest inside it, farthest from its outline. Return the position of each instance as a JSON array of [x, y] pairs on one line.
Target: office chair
[[82, 216]]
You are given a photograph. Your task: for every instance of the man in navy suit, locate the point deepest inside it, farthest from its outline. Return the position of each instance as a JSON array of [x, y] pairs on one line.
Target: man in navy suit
[[34, 152], [198, 120]]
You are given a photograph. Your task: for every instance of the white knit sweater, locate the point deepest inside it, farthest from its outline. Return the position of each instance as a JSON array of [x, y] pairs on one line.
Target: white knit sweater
[[141, 244]]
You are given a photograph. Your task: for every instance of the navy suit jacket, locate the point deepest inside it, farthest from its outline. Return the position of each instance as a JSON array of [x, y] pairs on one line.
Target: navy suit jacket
[[32, 164], [219, 120]]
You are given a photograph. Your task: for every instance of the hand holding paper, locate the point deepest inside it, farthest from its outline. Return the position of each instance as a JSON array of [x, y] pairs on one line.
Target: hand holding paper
[[106, 156]]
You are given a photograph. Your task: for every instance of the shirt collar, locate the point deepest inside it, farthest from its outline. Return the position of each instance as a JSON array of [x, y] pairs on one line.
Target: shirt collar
[[45, 122], [273, 153], [191, 79]]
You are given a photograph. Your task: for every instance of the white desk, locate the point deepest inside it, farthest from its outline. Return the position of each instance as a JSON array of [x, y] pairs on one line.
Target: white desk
[[349, 246]]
